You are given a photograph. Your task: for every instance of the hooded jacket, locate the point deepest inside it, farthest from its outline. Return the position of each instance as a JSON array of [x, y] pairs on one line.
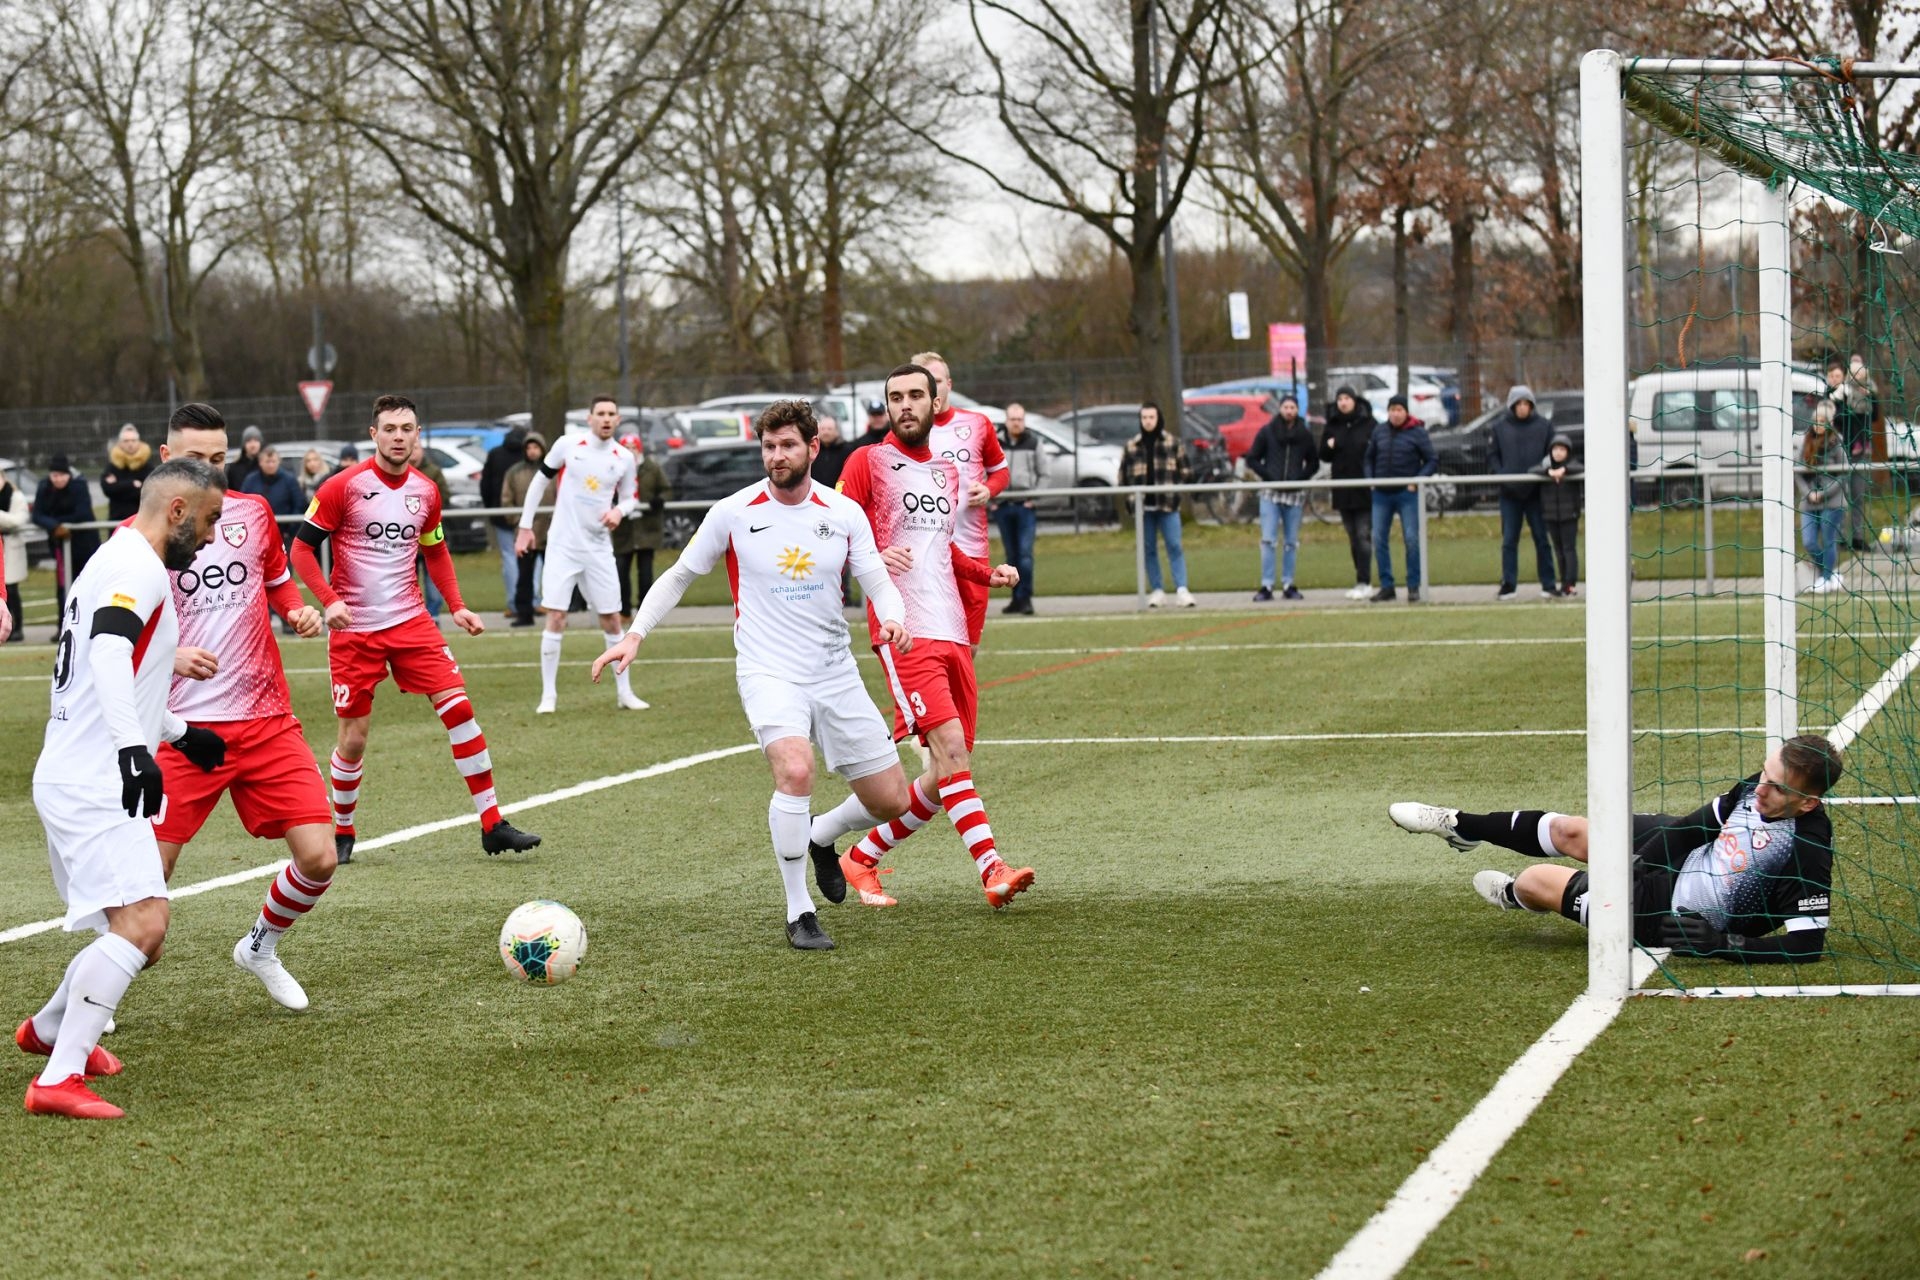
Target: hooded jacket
[[644, 529], [1283, 450], [1518, 443], [14, 519], [1561, 499], [1343, 442], [500, 460], [1824, 486], [126, 471], [54, 508], [514, 486]]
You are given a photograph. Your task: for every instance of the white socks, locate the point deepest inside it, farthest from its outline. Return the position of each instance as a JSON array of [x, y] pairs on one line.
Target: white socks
[[848, 815], [788, 818], [623, 680], [96, 980], [550, 664], [46, 1023], [1544, 834]]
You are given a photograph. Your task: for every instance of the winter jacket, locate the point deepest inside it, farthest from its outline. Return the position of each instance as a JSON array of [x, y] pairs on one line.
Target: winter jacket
[[1565, 498], [1853, 408], [830, 462], [15, 516], [1023, 460], [493, 473], [1824, 488], [282, 492], [1284, 451], [54, 508], [240, 468], [121, 481], [1344, 442], [642, 530], [1156, 458], [1400, 453], [513, 493], [1518, 443]]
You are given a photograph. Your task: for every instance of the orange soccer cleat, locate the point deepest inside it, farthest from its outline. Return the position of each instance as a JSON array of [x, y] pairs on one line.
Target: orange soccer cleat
[[865, 881], [99, 1062], [1002, 882], [70, 1097]]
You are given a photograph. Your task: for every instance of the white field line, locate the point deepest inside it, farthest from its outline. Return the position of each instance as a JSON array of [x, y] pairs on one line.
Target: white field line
[[1744, 993], [1844, 733], [1346, 737], [428, 828]]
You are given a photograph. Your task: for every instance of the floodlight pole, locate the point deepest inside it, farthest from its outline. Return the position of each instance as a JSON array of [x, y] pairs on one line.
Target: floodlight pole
[[1603, 237], [1775, 320]]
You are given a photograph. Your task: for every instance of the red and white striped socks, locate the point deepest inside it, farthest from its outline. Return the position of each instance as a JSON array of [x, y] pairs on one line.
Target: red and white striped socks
[[346, 791], [969, 817], [878, 842], [290, 896], [470, 756]]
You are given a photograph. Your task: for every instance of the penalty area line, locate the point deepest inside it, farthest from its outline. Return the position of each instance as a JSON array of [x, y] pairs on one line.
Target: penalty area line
[[406, 834]]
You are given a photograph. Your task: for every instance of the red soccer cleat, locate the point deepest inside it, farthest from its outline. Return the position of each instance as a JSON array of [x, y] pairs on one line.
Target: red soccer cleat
[[70, 1097], [1001, 882], [99, 1062], [865, 881]]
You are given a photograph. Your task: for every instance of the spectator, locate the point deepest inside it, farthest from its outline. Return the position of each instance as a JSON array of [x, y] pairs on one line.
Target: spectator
[[313, 473], [1519, 439], [349, 457], [1349, 431], [1282, 451], [1561, 501], [63, 499], [15, 516], [423, 462], [1016, 519], [639, 535], [280, 489], [513, 493], [834, 451], [1823, 495], [128, 460], [1399, 450], [1852, 395], [876, 429], [501, 459], [1152, 459], [248, 460]]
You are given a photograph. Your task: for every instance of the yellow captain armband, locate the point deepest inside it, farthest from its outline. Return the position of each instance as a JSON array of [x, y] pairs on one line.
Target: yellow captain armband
[[433, 536]]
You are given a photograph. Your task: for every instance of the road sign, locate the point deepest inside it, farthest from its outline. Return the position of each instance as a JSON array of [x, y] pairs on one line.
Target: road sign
[[315, 394], [321, 357], [1237, 317]]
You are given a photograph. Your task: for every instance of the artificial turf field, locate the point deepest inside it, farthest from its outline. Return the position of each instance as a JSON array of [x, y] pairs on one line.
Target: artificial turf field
[[1233, 1016]]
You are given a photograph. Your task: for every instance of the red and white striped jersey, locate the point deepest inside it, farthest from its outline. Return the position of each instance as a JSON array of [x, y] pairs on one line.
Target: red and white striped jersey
[[967, 439], [914, 503], [222, 603], [377, 523], [591, 477]]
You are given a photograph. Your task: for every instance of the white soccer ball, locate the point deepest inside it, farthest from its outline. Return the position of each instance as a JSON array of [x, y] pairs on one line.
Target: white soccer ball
[[543, 941]]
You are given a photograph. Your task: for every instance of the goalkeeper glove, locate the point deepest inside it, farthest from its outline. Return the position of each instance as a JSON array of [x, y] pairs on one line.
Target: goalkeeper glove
[[1694, 936], [203, 747], [140, 792]]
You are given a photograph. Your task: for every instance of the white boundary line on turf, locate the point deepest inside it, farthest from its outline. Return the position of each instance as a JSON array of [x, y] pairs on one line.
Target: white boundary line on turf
[[428, 828], [1346, 737], [1844, 733]]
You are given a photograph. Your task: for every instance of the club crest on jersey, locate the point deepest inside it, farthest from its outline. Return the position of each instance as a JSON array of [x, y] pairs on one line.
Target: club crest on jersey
[[964, 433], [823, 531], [413, 504], [939, 479], [1761, 839], [796, 564], [234, 535]]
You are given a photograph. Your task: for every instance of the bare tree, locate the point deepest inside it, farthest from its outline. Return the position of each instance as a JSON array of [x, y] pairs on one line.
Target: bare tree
[[538, 106]]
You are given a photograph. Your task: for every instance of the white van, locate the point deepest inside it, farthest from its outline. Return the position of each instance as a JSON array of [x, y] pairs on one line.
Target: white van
[[1685, 420]]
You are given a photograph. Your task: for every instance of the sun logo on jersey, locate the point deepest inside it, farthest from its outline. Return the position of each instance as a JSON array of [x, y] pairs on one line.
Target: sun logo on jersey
[[593, 484], [796, 564]]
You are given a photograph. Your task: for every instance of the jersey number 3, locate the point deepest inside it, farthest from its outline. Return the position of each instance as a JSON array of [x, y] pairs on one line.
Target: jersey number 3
[[918, 703]]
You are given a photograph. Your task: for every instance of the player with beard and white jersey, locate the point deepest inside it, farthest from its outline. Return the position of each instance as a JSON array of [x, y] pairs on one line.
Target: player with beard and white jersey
[[913, 500], [966, 438], [228, 677], [594, 485], [1718, 882], [97, 786], [784, 542]]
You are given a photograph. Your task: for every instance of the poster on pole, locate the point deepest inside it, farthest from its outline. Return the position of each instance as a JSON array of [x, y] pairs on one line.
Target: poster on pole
[[1238, 319], [1286, 349], [314, 396]]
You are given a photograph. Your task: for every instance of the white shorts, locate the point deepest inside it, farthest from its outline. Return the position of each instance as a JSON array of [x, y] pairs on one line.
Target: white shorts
[[591, 571], [835, 713], [101, 858]]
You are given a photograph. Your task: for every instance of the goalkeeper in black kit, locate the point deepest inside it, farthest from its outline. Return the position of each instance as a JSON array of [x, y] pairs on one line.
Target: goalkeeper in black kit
[[1745, 877]]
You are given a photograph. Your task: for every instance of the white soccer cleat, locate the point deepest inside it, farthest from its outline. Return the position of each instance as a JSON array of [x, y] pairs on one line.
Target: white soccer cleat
[[272, 974], [1492, 885], [1360, 591], [1156, 598], [631, 702], [1430, 820], [546, 707], [1185, 598]]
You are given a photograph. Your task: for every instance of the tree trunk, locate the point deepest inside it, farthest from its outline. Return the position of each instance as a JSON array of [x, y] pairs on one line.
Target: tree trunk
[[833, 321], [1147, 322], [541, 295], [1463, 329], [1401, 290], [1315, 288]]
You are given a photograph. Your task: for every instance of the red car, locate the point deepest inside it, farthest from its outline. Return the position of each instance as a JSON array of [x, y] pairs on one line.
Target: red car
[[1238, 417]]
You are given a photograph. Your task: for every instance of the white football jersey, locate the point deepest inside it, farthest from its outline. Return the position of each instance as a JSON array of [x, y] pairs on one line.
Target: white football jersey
[[593, 476], [124, 574]]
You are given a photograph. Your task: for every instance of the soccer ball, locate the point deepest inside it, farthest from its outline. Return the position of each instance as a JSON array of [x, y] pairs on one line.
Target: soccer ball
[[542, 941]]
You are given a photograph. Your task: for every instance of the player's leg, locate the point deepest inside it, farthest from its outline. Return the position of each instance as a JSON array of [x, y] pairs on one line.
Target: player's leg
[[356, 664], [280, 796], [1536, 832], [789, 815], [562, 574], [951, 743], [475, 763], [854, 739], [343, 774], [293, 893]]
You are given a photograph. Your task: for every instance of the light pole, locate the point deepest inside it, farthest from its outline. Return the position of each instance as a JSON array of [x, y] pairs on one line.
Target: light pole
[[1166, 234]]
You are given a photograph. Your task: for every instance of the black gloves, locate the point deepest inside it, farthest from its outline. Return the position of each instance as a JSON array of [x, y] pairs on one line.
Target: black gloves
[[140, 792], [1692, 935], [202, 746]]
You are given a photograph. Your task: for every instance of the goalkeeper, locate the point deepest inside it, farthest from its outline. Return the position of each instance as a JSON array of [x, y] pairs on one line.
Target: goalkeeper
[[1743, 877]]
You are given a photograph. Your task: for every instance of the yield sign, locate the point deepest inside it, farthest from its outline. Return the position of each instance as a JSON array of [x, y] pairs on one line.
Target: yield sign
[[315, 394]]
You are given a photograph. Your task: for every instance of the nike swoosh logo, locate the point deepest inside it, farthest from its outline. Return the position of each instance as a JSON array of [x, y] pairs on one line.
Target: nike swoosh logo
[[96, 1004], [758, 528]]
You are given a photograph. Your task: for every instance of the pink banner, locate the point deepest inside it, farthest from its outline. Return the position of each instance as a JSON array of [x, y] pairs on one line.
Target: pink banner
[[1287, 349]]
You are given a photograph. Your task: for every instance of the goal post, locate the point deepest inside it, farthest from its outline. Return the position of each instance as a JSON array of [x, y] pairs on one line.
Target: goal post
[[1741, 229]]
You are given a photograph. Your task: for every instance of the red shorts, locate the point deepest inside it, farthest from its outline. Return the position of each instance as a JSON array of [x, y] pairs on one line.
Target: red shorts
[[932, 683], [973, 595], [414, 650], [270, 772]]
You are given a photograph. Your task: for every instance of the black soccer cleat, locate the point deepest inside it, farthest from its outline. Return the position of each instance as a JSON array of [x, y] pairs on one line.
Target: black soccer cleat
[[806, 934], [342, 848], [504, 837], [827, 873]]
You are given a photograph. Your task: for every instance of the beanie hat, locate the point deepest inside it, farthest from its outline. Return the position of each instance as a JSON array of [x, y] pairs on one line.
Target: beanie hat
[[1396, 400], [251, 433], [1348, 392], [61, 464], [1561, 438]]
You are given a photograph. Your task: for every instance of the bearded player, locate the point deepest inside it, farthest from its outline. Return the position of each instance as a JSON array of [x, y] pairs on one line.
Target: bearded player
[[967, 439], [912, 498], [785, 541], [377, 513], [228, 678]]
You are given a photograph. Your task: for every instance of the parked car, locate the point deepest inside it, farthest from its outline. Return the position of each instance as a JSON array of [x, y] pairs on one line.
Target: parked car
[[1267, 386], [1115, 424], [1239, 417], [707, 474], [838, 405], [1463, 450], [703, 427], [1092, 466], [1706, 416], [39, 550], [1376, 383]]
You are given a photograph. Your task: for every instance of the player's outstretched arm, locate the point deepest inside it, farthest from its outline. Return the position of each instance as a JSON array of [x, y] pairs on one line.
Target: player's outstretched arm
[[703, 551], [306, 564], [537, 489], [1691, 935], [870, 570]]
